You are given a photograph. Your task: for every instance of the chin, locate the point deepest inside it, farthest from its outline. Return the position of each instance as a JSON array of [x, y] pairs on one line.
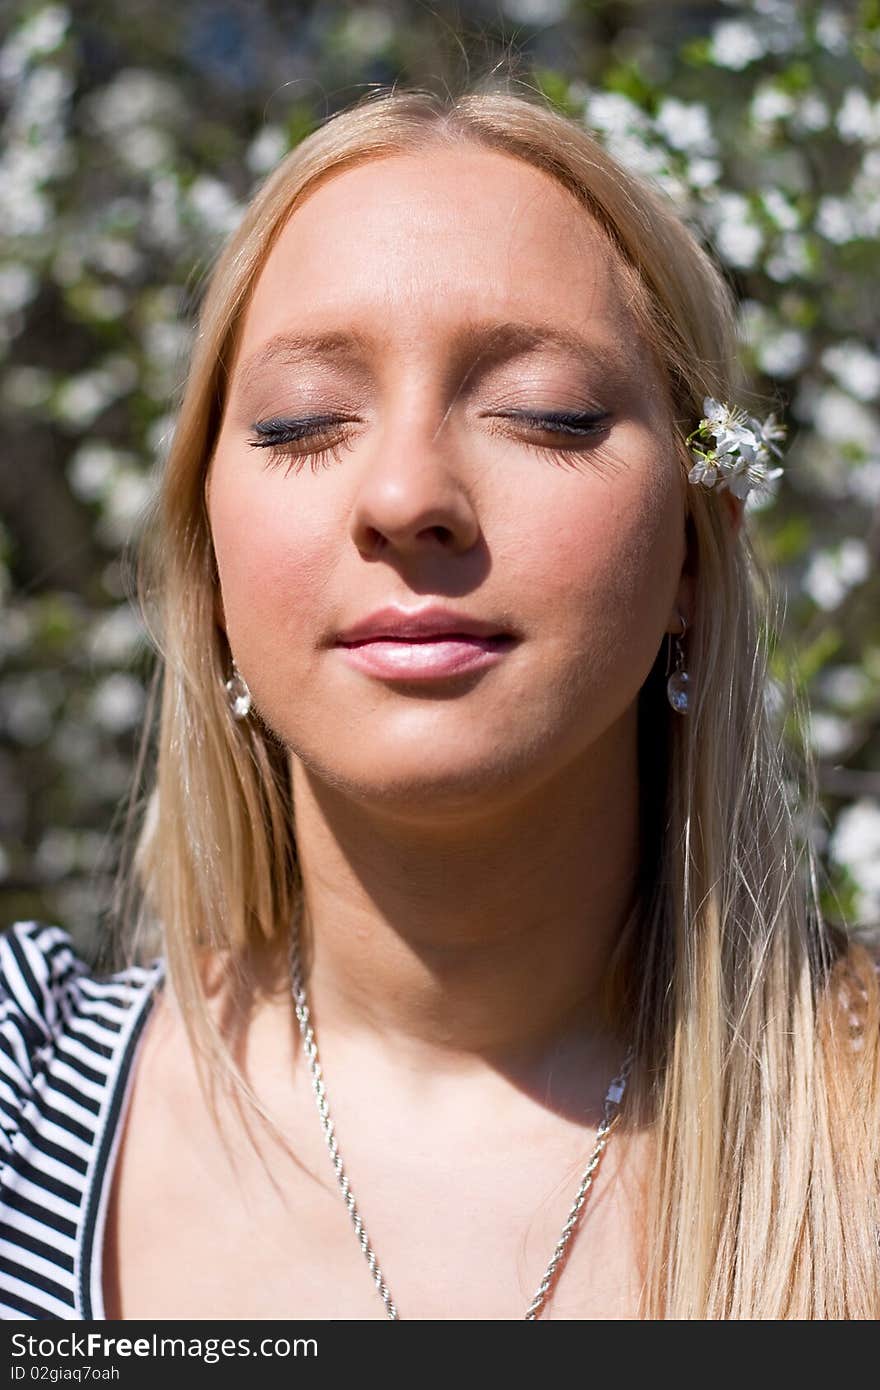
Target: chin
[[423, 787]]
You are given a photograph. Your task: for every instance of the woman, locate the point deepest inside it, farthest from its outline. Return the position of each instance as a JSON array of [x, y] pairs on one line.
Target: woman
[[437, 525]]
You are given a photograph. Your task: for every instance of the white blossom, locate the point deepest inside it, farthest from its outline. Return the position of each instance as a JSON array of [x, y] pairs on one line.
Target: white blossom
[[832, 32], [856, 216], [742, 451], [770, 104], [845, 686], [24, 209], [115, 636], [837, 220], [831, 573], [39, 100], [855, 843], [783, 353], [629, 138], [738, 238], [736, 44], [627, 131], [854, 367], [125, 506], [134, 98], [811, 113], [39, 35], [80, 399], [837, 417], [144, 147], [780, 209], [829, 734], [857, 118], [214, 205], [614, 113], [703, 173], [94, 468], [117, 702], [114, 256], [790, 258], [685, 125], [267, 148], [18, 285]]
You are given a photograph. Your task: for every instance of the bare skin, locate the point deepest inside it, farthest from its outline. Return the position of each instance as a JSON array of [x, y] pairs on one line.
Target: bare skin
[[469, 851]]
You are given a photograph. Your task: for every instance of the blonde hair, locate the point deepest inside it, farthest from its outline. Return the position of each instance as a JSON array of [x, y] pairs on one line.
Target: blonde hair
[[756, 1031]]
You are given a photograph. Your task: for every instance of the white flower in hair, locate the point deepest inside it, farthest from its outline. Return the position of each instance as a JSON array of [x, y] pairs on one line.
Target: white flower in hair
[[733, 449]]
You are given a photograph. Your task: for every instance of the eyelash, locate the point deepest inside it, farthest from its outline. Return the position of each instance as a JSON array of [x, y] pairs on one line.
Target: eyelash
[[275, 434]]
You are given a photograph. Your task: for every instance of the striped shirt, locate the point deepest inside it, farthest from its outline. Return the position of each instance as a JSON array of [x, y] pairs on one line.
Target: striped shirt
[[68, 1042]]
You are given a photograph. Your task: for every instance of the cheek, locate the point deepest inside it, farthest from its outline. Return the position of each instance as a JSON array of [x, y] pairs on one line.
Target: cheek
[[602, 572], [274, 561]]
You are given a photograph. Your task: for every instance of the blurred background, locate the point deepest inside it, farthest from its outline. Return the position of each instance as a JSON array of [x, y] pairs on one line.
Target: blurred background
[[133, 136]]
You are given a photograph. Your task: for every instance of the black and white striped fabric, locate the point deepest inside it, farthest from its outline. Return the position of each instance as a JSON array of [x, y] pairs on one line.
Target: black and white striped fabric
[[67, 1044]]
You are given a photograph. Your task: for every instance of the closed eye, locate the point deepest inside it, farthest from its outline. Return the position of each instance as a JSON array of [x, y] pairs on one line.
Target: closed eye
[[582, 430], [561, 422], [280, 436], [277, 435]]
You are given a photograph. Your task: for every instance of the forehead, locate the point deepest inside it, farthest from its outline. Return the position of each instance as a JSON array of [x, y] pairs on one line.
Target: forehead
[[443, 236]]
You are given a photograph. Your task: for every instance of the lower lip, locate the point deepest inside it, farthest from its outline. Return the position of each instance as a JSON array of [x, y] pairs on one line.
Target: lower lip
[[425, 660]]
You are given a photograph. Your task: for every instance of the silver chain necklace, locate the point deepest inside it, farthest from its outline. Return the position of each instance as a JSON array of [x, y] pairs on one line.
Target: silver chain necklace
[[610, 1117]]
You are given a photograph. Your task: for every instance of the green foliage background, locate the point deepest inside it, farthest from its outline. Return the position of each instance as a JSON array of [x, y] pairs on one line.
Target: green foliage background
[[132, 138]]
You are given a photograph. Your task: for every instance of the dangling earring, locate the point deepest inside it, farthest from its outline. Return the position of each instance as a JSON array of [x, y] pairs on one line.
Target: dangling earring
[[678, 683], [238, 695]]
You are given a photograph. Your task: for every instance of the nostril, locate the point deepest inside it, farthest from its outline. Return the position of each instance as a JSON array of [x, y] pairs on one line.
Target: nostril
[[374, 543], [442, 533]]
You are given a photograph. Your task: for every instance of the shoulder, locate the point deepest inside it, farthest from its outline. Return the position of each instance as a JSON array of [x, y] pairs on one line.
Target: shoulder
[[49, 995]]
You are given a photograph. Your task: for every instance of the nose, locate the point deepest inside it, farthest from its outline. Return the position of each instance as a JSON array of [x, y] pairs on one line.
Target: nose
[[411, 495]]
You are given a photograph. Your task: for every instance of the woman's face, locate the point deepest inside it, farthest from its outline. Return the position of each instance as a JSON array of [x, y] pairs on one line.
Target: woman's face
[[430, 476]]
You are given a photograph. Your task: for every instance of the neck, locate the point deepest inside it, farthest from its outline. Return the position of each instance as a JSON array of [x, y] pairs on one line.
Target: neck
[[489, 937]]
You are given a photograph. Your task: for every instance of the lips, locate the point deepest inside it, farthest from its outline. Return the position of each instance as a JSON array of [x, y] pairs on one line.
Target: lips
[[419, 625], [422, 645]]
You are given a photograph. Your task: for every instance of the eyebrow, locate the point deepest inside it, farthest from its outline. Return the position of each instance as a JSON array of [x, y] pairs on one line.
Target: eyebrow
[[488, 342]]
